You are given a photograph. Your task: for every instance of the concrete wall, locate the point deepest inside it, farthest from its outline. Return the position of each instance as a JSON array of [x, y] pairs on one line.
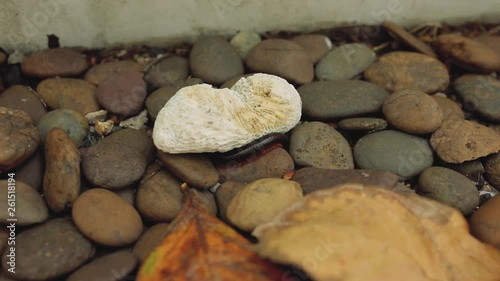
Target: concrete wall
[[24, 24]]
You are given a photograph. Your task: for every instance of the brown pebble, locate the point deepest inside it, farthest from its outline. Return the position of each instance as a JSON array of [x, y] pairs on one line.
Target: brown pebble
[[316, 45], [69, 93], [22, 98], [29, 205], [398, 71], [159, 197], [111, 267], [225, 194], [194, 169], [491, 41], [450, 108], [492, 169], [485, 222], [150, 239], [457, 141], [18, 138], [283, 58], [270, 165], [98, 73], [105, 218], [362, 124], [412, 111], [312, 179], [31, 171], [467, 53], [61, 182], [49, 250], [166, 71], [54, 62]]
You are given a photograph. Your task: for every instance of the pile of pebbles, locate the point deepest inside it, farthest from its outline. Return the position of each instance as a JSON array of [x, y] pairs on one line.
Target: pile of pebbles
[[95, 196]]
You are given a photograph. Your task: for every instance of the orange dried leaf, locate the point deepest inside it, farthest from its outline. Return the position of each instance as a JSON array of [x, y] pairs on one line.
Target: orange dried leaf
[[201, 247]]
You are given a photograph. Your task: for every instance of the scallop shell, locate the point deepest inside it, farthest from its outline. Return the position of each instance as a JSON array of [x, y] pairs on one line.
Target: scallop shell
[[200, 118]]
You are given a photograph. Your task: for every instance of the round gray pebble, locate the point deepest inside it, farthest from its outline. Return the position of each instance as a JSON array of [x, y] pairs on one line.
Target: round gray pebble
[[393, 151], [166, 71], [481, 94], [449, 187], [345, 62]]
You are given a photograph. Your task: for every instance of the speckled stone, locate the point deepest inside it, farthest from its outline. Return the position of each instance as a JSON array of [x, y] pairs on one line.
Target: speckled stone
[[340, 99], [397, 152], [49, 250], [481, 94], [214, 60], [449, 187], [166, 71], [270, 165], [22, 98], [54, 62], [72, 122], [398, 71], [362, 124], [283, 58], [345, 62], [316, 144]]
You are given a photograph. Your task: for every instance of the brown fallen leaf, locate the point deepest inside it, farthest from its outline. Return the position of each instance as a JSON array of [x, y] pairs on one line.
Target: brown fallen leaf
[[354, 232], [201, 247]]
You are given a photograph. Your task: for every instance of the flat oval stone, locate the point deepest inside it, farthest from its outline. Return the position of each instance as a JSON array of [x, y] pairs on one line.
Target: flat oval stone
[[492, 169], [166, 71], [449, 187], [481, 94], [111, 267], [68, 93], [54, 62], [412, 111], [458, 140], [98, 73], [49, 250], [194, 169], [244, 41], [105, 218], [159, 197], [122, 93], [484, 223], [72, 122], [450, 108], [112, 165], [22, 98], [316, 144], [408, 38], [283, 58], [270, 165], [135, 139], [402, 154], [345, 62], [467, 53], [259, 201], [340, 99], [31, 171], [312, 179], [214, 60], [61, 182], [491, 41], [30, 207], [398, 71], [362, 124], [316, 45], [18, 138], [150, 239]]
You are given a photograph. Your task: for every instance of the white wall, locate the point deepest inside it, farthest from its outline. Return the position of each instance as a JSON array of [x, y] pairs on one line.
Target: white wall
[[24, 24]]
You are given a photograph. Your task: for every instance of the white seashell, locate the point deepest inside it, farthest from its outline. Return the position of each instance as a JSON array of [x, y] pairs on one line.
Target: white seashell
[[200, 118]]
